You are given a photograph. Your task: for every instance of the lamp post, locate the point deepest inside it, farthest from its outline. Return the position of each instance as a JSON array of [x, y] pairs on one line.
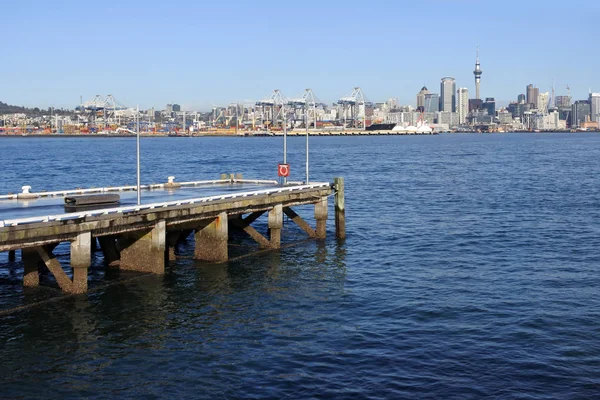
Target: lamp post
[[137, 117]]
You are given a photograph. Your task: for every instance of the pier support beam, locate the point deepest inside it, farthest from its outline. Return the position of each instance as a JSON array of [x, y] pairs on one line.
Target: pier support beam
[[31, 273], [78, 284], [211, 241], [275, 225], [340, 209], [12, 257], [244, 225], [321, 217], [108, 244], [81, 250], [291, 214], [145, 251]]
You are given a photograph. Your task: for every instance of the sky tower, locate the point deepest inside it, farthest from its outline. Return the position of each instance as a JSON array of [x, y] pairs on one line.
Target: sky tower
[[477, 74]]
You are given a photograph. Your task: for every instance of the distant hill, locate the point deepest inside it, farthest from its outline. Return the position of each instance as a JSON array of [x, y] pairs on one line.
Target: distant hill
[[34, 112]]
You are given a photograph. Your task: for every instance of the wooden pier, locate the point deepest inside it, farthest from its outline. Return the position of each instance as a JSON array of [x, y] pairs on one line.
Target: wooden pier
[[142, 237]]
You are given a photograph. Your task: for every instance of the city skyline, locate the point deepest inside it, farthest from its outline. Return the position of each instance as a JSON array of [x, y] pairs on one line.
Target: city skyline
[[201, 55]]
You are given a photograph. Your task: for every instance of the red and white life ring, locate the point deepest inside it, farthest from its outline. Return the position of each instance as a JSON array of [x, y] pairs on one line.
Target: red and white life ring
[[283, 170]]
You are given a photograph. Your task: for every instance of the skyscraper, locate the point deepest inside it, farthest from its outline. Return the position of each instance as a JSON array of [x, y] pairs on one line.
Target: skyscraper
[[580, 111], [532, 95], [489, 105], [594, 106], [421, 98], [448, 94], [477, 72], [462, 105]]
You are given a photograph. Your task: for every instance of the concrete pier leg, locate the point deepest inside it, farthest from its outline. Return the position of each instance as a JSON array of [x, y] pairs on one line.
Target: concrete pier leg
[[172, 240], [340, 209], [211, 241], [31, 275], [321, 217], [108, 244], [145, 251], [275, 225], [12, 257], [81, 250]]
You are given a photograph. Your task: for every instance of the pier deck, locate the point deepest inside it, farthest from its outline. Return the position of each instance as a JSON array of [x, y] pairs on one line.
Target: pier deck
[[143, 237]]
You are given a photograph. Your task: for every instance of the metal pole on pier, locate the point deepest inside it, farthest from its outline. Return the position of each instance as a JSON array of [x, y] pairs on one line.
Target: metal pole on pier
[[306, 108], [137, 116], [284, 139]]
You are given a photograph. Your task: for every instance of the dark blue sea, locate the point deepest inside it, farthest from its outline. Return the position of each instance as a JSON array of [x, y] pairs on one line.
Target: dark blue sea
[[471, 270]]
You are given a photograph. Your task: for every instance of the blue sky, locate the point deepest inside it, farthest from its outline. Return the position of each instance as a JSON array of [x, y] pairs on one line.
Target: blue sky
[[200, 53]]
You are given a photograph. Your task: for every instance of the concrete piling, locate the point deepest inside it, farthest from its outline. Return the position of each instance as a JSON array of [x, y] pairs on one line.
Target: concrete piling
[[211, 240], [172, 240], [144, 251], [81, 250], [321, 217], [31, 274], [275, 225], [340, 208]]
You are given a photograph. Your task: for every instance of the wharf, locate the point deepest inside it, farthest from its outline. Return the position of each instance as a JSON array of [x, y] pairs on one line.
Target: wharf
[[143, 237]]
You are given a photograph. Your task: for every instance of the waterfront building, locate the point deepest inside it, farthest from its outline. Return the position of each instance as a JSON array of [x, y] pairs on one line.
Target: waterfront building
[[580, 112], [532, 95], [421, 98], [447, 118], [477, 73], [505, 117], [448, 94], [462, 105], [432, 102], [490, 106], [521, 99], [594, 101]]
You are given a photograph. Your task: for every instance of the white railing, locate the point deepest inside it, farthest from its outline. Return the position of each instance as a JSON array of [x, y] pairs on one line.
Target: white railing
[[153, 206], [133, 188]]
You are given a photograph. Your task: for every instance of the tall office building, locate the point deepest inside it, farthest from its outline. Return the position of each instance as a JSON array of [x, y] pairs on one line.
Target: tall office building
[[521, 99], [477, 72], [490, 106], [421, 98], [594, 101], [532, 95], [462, 106], [432, 102], [579, 112], [448, 94]]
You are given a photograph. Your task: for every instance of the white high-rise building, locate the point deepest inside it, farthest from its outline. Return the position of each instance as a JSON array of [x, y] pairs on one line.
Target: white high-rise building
[[595, 106], [542, 102], [463, 104]]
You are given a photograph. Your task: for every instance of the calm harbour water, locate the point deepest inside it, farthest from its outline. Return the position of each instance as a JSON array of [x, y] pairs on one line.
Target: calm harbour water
[[471, 270]]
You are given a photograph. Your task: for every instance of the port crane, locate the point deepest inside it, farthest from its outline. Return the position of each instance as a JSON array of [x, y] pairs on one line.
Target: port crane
[[272, 108], [351, 104]]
